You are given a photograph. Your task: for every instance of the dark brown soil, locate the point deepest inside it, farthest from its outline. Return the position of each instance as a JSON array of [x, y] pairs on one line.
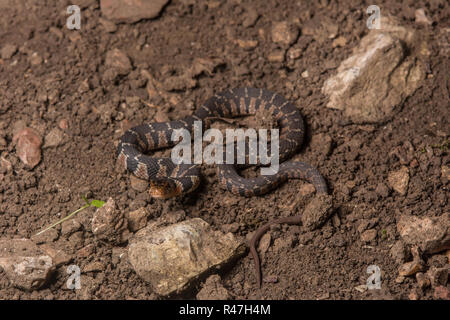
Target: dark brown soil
[[71, 83]]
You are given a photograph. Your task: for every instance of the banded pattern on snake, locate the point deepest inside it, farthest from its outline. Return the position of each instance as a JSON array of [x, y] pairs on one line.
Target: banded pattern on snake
[[168, 179]]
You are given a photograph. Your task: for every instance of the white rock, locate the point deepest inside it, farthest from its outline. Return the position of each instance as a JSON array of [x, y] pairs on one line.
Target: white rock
[[25, 265], [399, 180], [171, 257], [430, 234], [379, 75]]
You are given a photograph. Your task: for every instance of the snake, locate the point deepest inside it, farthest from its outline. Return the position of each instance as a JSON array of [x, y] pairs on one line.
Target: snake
[[168, 179]]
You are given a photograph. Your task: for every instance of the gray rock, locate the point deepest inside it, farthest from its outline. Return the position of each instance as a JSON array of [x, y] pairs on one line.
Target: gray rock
[[28, 147], [70, 226], [139, 185], [369, 235], [379, 76], [130, 11], [110, 224], [438, 276], [171, 257], [430, 234], [25, 265], [8, 51], [399, 253], [399, 180], [317, 211], [284, 33], [53, 138], [117, 59], [109, 26], [137, 219]]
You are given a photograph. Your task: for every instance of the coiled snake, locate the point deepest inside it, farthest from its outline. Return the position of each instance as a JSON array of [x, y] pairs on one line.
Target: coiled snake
[[168, 179]]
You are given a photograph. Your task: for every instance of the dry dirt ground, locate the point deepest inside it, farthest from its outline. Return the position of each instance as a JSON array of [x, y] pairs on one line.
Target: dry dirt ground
[[57, 78]]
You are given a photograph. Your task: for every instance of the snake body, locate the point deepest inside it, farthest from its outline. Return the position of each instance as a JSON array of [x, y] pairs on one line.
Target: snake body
[[168, 179]]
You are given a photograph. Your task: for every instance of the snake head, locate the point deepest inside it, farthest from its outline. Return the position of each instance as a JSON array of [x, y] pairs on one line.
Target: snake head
[[164, 189]]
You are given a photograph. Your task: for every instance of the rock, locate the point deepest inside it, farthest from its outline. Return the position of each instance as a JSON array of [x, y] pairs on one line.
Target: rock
[[177, 83], [241, 70], [437, 276], [430, 234], [361, 288], [399, 253], [264, 243], [118, 254], [421, 17], [25, 265], [174, 216], [445, 172], [247, 44], [63, 124], [339, 42], [213, 289], [28, 147], [382, 190], [86, 251], [287, 241], [294, 53], [399, 180], [137, 219], [321, 144], [379, 76], [35, 59], [317, 211], [70, 226], [76, 240], [369, 235], [138, 184], [306, 190], [58, 256], [399, 279], [250, 18], [5, 166], [117, 59], [284, 33], [8, 51], [422, 280], [95, 266], [230, 227], [414, 295], [53, 138], [109, 26], [109, 224], [276, 56], [84, 86], [48, 236], [270, 279], [171, 257], [204, 66], [441, 293], [321, 28], [410, 268], [130, 11]]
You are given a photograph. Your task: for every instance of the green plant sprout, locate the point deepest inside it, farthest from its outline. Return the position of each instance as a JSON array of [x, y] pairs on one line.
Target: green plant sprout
[[95, 203]]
